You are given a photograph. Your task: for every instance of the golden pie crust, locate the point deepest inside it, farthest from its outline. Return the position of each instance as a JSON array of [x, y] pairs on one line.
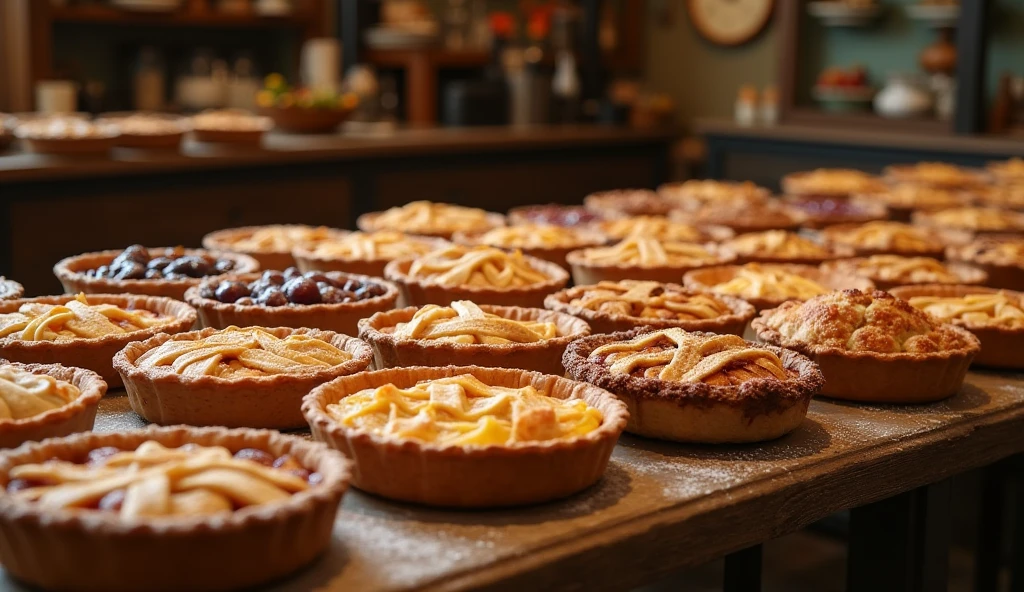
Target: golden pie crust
[[1002, 259], [889, 271], [1008, 195], [430, 219], [639, 258], [769, 285], [76, 416], [892, 238], [781, 246], [364, 253], [543, 356], [977, 220], [743, 219], [693, 311], [550, 243], [929, 364], [663, 229], [271, 245], [936, 174], [471, 476], [71, 273], [694, 194], [824, 212], [340, 317], [621, 203], [754, 410], [830, 183], [418, 291], [96, 353], [1007, 171], [165, 397], [10, 289], [904, 199], [105, 552], [1002, 346]]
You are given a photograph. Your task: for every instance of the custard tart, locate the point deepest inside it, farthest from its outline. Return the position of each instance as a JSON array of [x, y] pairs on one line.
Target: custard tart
[[430, 219], [39, 401], [641, 258], [271, 245]]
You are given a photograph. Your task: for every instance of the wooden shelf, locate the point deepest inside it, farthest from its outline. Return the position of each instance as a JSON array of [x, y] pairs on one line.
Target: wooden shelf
[[807, 115], [107, 15]]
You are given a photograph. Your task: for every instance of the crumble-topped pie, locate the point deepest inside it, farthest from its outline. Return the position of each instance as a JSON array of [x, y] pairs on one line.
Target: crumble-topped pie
[[1001, 258], [39, 401], [270, 245], [889, 271], [830, 183], [468, 436], [626, 304], [768, 285], [550, 243], [936, 174], [364, 253], [887, 238], [694, 194], [620, 203], [698, 387], [430, 219], [663, 229], [780, 246], [642, 258], [477, 335], [979, 220], [872, 346]]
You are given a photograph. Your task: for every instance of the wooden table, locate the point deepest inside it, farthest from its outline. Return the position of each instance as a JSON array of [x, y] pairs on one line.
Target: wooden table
[[663, 506]]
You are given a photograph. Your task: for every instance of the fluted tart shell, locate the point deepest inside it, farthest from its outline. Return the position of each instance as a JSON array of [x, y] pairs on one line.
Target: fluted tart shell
[[76, 416]]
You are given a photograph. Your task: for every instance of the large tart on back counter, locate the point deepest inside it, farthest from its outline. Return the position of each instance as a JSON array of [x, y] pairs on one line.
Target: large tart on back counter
[[781, 246], [621, 203], [1007, 171], [467, 334], [428, 218], [10, 289], [937, 174], [694, 194], [663, 229], [977, 220], [627, 304], [364, 253], [39, 401], [773, 215], [550, 243], [484, 275], [889, 271], [641, 258], [822, 212], [236, 377], [837, 183], [698, 387], [167, 508], [166, 272], [1001, 258], [995, 317], [332, 301], [271, 245], [904, 199], [892, 238], [86, 331], [872, 346], [769, 285], [553, 215], [468, 437]]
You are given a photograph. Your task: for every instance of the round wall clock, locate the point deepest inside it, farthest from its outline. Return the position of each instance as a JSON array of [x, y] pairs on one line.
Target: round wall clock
[[729, 22]]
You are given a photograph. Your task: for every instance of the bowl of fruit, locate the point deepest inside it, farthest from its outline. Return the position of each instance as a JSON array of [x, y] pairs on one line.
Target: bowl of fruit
[[303, 110], [844, 90]]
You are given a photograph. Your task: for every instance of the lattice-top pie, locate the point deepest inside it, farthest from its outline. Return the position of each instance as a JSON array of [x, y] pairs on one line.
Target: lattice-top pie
[[628, 202], [383, 244], [476, 266], [535, 236], [76, 319], [465, 322], [908, 196], [283, 237], [778, 244], [464, 411], [936, 174], [1007, 195], [656, 227], [1008, 170], [830, 182], [429, 218], [895, 270], [694, 194], [649, 300], [749, 218], [647, 252], [26, 394], [886, 237], [754, 280], [984, 310], [974, 219], [991, 251]]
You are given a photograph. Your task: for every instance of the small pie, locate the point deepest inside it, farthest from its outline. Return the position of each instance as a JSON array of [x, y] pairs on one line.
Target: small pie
[[781, 246], [171, 508], [906, 198], [937, 174], [470, 335], [10, 289], [698, 387], [550, 243], [153, 272], [430, 219], [978, 220], [553, 215], [364, 253], [996, 317], [484, 275], [872, 346], [251, 377], [889, 271], [270, 245], [1002, 259], [830, 211], [642, 258], [830, 183], [1008, 171], [696, 193], [39, 401], [627, 304], [743, 219], [663, 229], [887, 238], [332, 301], [621, 203], [1008, 195], [86, 332], [468, 437], [769, 285]]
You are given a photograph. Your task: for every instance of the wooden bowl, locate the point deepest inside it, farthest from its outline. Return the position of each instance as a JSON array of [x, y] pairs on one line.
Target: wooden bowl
[[301, 120]]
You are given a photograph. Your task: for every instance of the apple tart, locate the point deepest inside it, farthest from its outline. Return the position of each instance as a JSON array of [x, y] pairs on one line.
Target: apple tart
[[167, 508], [272, 245], [430, 219], [889, 271], [977, 220], [694, 194], [841, 183], [10, 289], [1009, 195], [468, 437], [485, 275], [251, 377], [937, 174], [780, 246], [642, 258], [620, 306], [553, 215], [476, 335], [887, 238], [698, 387], [663, 229], [772, 215], [905, 198], [1007, 171], [822, 212], [769, 285], [620, 203], [550, 243], [872, 346], [364, 253], [1001, 258], [39, 401]]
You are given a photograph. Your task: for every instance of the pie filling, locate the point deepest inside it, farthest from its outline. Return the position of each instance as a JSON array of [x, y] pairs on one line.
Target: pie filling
[[476, 266], [462, 410], [426, 217], [649, 300], [282, 238], [465, 322], [764, 281], [777, 243], [533, 236], [886, 236], [987, 310], [370, 246], [75, 319], [240, 353], [137, 263], [292, 288], [916, 270], [24, 394], [678, 356], [154, 481], [653, 227], [649, 252]]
